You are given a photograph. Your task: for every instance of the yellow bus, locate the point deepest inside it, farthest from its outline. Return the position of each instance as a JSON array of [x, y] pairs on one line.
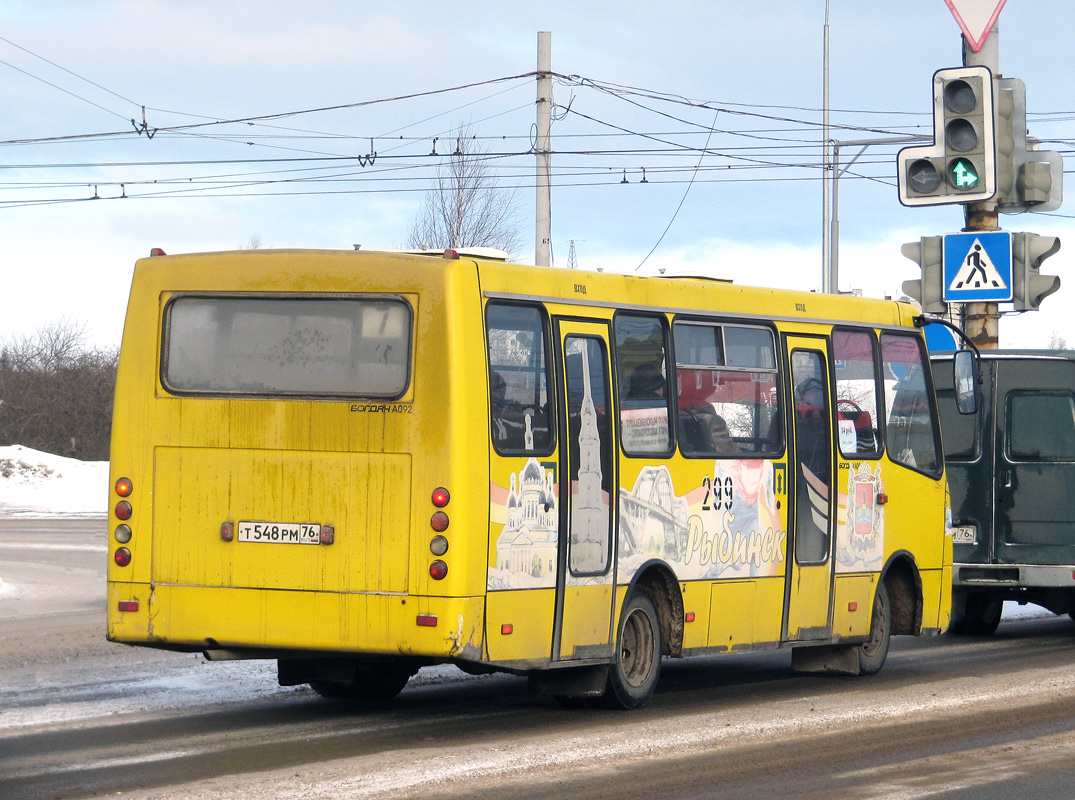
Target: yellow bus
[[363, 463]]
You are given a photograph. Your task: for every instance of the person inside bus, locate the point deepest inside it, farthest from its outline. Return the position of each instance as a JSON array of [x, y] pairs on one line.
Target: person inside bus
[[646, 389], [503, 430]]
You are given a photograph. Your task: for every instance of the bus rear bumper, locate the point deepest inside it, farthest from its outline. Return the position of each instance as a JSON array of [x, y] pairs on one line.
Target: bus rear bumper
[[229, 621], [1014, 575]]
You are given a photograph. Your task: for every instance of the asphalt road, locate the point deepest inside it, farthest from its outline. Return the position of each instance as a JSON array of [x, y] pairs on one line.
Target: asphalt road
[[947, 717]]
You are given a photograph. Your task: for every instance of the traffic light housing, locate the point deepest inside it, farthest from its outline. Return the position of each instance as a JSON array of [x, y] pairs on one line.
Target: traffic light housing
[[928, 290], [960, 165], [1028, 179], [1029, 286]]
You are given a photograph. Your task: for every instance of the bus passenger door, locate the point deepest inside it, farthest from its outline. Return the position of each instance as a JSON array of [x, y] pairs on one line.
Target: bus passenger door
[[585, 587], [810, 566]]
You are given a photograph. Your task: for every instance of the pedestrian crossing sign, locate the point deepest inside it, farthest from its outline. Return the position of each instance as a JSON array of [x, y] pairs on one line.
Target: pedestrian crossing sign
[[977, 267]]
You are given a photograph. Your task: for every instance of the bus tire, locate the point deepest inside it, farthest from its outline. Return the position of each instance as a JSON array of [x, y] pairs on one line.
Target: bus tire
[[632, 676], [873, 652], [980, 617], [373, 685]]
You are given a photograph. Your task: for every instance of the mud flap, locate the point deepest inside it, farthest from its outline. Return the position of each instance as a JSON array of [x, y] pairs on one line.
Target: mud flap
[[835, 659]]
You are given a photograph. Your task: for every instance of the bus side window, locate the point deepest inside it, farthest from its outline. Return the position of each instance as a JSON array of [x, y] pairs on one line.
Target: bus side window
[[726, 390], [855, 361], [519, 413], [641, 368], [911, 432]]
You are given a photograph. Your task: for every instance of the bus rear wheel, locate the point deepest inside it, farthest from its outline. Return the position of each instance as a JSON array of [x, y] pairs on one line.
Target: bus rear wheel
[[873, 652], [632, 677], [371, 684]]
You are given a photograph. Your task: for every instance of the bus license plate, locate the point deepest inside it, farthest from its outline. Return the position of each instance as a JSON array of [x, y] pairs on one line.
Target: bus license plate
[[280, 532], [964, 534]]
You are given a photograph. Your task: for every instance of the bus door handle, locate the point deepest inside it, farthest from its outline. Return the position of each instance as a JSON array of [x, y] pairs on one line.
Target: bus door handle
[[1006, 479]]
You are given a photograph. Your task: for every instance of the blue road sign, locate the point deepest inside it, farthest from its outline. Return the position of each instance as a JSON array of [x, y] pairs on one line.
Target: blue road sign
[[939, 339], [977, 267]]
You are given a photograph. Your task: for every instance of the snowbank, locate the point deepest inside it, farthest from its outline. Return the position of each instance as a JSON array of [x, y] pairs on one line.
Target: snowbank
[[39, 485]]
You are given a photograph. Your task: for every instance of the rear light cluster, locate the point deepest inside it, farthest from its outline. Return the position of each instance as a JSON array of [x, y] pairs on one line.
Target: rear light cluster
[[123, 510], [438, 545]]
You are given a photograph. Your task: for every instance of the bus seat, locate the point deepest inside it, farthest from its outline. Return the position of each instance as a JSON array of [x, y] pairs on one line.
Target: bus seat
[[705, 431]]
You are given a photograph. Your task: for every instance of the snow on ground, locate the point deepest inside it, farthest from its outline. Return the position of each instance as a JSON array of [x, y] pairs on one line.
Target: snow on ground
[[41, 486]]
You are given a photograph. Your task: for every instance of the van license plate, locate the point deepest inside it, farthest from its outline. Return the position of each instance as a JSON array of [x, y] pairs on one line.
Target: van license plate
[[280, 532], [964, 534]]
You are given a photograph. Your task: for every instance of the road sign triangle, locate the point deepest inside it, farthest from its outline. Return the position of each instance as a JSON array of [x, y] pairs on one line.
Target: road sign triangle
[[977, 271], [976, 18]]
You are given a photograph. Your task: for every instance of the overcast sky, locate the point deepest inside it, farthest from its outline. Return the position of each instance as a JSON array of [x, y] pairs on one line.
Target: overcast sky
[[323, 81]]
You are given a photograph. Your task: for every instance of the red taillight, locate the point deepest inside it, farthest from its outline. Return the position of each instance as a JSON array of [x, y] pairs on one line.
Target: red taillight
[[449, 253], [123, 510], [227, 531], [128, 605], [426, 620], [124, 487], [438, 570], [439, 521], [156, 251], [441, 497], [122, 556]]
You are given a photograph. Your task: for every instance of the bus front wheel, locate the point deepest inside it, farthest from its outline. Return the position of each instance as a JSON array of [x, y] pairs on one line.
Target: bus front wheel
[[873, 652], [632, 677]]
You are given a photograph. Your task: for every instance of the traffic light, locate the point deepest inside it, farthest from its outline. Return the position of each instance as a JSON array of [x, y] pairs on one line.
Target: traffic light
[[1029, 286], [1027, 179], [928, 253], [960, 165]]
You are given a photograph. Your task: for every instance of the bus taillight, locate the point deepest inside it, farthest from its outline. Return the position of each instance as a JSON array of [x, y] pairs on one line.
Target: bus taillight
[[441, 497], [124, 487], [123, 533], [123, 510], [438, 545], [439, 522], [122, 556], [438, 570]]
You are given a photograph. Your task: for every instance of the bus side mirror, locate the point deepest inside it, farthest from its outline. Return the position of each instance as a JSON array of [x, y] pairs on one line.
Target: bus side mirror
[[965, 369]]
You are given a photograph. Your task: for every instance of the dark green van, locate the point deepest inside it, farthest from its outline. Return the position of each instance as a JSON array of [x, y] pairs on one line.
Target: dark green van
[[1011, 471]]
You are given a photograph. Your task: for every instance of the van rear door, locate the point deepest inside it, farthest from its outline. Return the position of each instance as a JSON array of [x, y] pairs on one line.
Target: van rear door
[[1035, 461]]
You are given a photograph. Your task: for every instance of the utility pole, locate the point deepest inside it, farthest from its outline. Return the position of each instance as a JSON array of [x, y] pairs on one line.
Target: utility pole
[[981, 321], [542, 147], [829, 283]]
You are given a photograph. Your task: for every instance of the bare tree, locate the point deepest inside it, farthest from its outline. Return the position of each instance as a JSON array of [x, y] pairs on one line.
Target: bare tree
[[1057, 342], [56, 392], [467, 207]]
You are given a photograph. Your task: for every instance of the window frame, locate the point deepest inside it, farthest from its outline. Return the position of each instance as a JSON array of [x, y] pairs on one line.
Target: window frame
[[669, 375], [930, 394], [549, 375], [166, 337], [880, 417], [779, 446]]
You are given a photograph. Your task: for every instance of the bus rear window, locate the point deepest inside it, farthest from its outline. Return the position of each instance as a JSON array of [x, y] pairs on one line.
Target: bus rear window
[[301, 346]]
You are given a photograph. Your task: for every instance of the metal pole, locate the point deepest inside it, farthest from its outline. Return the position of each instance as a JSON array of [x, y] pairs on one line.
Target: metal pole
[[543, 230], [834, 218], [828, 281], [981, 321]]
